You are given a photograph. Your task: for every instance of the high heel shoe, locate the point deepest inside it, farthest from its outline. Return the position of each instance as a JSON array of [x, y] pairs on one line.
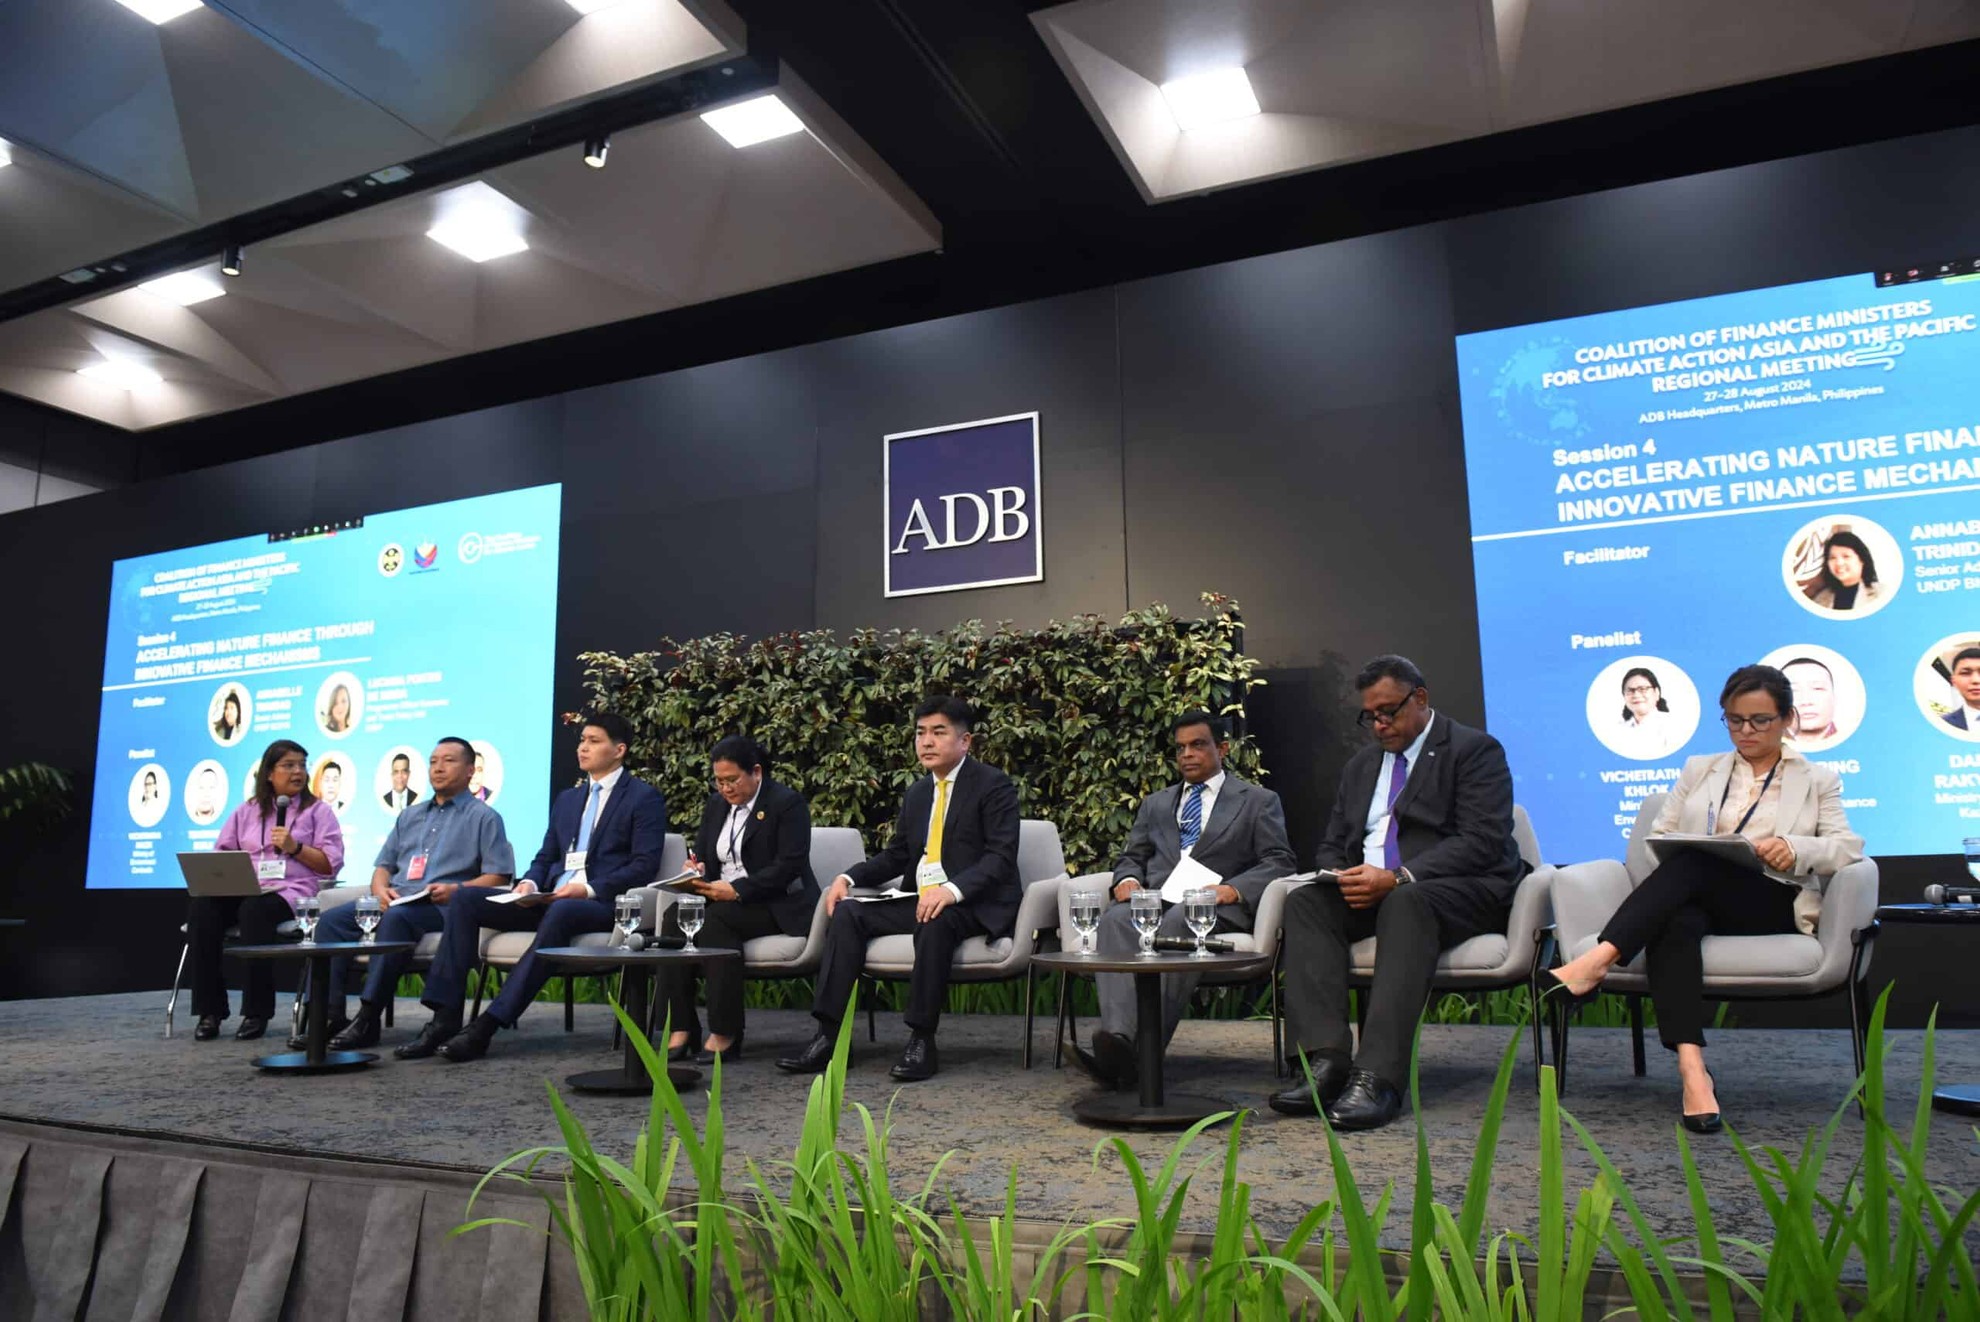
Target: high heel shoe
[[729, 1054], [1553, 989], [1705, 1122], [686, 1051]]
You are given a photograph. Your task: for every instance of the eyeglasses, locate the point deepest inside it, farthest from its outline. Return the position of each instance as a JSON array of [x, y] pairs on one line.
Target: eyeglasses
[[290, 764], [1636, 690], [730, 782], [1384, 715], [1757, 724]]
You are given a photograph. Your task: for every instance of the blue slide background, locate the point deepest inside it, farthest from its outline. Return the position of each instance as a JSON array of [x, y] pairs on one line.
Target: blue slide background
[[460, 646], [1706, 589]]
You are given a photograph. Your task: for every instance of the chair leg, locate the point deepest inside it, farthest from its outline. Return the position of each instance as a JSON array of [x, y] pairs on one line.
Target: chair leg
[[480, 976], [1059, 1032], [872, 994], [178, 980], [1278, 1018], [1636, 1036], [1030, 990]]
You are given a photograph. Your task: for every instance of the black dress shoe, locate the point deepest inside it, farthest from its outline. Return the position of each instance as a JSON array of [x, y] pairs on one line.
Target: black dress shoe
[[251, 1027], [1705, 1122], [1115, 1057], [207, 1028], [471, 1043], [817, 1054], [1368, 1102], [360, 1033], [1330, 1077], [918, 1060], [687, 1050], [729, 1054], [299, 1041], [428, 1042]]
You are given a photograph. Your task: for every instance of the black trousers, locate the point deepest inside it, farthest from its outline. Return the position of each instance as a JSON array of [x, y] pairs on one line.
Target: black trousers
[[1411, 926], [728, 923], [1688, 898], [207, 920], [854, 924]]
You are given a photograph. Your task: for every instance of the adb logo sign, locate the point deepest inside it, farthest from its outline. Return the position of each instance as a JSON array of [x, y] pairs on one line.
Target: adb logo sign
[[962, 507]]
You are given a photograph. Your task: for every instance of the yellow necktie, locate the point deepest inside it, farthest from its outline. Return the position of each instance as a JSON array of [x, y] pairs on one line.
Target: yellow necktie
[[933, 854]]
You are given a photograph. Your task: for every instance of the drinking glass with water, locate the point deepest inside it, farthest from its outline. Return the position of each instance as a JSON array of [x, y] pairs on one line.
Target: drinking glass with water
[[1147, 914], [1084, 909], [1200, 913], [689, 912], [308, 910], [369, 912], [625, 917]]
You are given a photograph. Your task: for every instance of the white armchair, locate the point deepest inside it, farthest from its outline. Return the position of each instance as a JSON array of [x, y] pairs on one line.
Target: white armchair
[[1789, 966]]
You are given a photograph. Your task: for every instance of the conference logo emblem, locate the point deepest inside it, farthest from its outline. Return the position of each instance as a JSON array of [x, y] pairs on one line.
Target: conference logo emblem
[[424, 555], [470, 547], [961, 505], [391, 559]]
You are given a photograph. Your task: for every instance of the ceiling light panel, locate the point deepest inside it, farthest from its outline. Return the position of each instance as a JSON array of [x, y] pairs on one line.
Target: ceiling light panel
[[6, 157], [184, 288], [1210, 98], [749, 122], [592, 6], [161, 11], [121, 374]]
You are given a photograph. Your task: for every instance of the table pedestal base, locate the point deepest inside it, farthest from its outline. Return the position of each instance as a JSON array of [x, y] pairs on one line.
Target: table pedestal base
[[1118, 1110], [618, 1083], [299, 1062], [1959, 1099]]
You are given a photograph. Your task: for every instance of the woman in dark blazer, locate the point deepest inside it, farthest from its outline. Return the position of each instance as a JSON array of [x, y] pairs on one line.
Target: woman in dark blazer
[[753, 850]]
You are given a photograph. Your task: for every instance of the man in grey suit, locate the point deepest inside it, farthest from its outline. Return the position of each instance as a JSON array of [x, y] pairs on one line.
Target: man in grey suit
[[1420, 845], [1234, 828]]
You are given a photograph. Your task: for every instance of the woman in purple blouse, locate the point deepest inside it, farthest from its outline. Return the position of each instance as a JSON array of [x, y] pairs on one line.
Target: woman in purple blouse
[[293, 860]]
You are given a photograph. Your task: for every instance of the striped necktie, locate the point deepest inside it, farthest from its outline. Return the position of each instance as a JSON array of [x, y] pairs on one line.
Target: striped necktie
[[1192, 817]]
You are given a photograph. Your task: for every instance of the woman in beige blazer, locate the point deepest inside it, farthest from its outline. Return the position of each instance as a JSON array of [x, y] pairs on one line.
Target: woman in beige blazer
[[1789, 808]]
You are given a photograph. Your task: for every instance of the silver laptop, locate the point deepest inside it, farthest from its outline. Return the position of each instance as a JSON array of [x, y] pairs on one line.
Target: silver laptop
[[220, 872]]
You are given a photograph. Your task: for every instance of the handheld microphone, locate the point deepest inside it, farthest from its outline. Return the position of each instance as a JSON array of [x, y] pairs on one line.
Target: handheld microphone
[[281, 810], [637, 941], [1185, 943], [1944, 895]]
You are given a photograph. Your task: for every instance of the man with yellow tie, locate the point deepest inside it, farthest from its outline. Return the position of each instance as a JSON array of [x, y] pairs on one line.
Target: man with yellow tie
[[948, 873]]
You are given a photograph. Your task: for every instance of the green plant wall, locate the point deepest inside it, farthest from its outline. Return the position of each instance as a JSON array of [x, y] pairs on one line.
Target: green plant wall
[[1077, 712]]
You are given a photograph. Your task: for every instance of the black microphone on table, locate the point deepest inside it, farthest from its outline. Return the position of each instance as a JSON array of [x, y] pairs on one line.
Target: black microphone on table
[[281, 810], [1944, 895], [1211, 944]]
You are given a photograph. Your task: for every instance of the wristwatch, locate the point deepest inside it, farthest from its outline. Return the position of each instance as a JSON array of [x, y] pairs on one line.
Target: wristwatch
[[1402, 877]]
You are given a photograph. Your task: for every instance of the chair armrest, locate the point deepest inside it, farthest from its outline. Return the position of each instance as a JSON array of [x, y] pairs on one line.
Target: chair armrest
[[1270, 915], [332, 897], [653, 901], [1099, 881], [1532, 907], [1584, 897], [1038, 910], [1849, 904]]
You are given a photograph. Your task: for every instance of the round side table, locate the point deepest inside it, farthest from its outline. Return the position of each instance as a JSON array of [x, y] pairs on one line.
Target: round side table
[[642, 968], [317, 1058], [1956, 1098]]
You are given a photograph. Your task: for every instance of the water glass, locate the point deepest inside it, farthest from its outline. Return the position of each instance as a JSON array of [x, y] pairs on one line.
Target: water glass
[[1147, 914], [1084, 908], [689, 911], [308, 911], [625, 917], [1200, 912], [369, 912], [1973, 857]]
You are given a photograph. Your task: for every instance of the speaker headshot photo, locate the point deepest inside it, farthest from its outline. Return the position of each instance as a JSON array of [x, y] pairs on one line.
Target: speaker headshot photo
[[150, 794], [1946, 685], [206, 792], [1842, 567], [1642, 707], [340, 704], [333, 780], [1830, 697], [398, 779], [227, 716]]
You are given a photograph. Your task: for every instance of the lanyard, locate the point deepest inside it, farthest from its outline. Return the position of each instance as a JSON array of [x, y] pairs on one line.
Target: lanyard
[[435, 831], [1753, 807], [738, 819]]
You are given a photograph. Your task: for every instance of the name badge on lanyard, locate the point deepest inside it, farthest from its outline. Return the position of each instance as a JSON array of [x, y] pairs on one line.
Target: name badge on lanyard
[[574, 860], [416, 869], [271, 869], [929, 875]]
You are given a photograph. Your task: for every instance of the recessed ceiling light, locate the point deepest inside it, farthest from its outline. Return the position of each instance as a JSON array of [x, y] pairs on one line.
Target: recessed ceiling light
[[121, 373], [161, 11], [1210, 98], [184, 288], [591, 6], [479, 237], [749, 122]]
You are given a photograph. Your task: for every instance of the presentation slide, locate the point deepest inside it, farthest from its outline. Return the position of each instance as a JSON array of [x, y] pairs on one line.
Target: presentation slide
[[363, 644], [1661, 495]]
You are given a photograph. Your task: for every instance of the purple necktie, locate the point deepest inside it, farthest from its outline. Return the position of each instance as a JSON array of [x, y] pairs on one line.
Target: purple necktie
[[1391, 851]]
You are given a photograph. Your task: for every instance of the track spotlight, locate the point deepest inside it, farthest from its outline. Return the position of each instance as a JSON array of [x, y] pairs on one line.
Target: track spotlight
[[230, 264], [595, 149]]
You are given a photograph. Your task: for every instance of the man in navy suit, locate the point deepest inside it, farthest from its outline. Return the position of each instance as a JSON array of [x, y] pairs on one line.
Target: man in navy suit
[[1965, 679], [605, 837], [952, 867]]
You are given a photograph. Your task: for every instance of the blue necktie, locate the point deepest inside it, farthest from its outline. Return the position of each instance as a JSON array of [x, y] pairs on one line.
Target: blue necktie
[[584, 827], [1192, 817], [1391, 851]]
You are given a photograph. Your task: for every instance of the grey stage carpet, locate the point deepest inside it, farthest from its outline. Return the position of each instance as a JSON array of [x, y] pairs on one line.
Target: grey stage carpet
[[103, 1061]]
